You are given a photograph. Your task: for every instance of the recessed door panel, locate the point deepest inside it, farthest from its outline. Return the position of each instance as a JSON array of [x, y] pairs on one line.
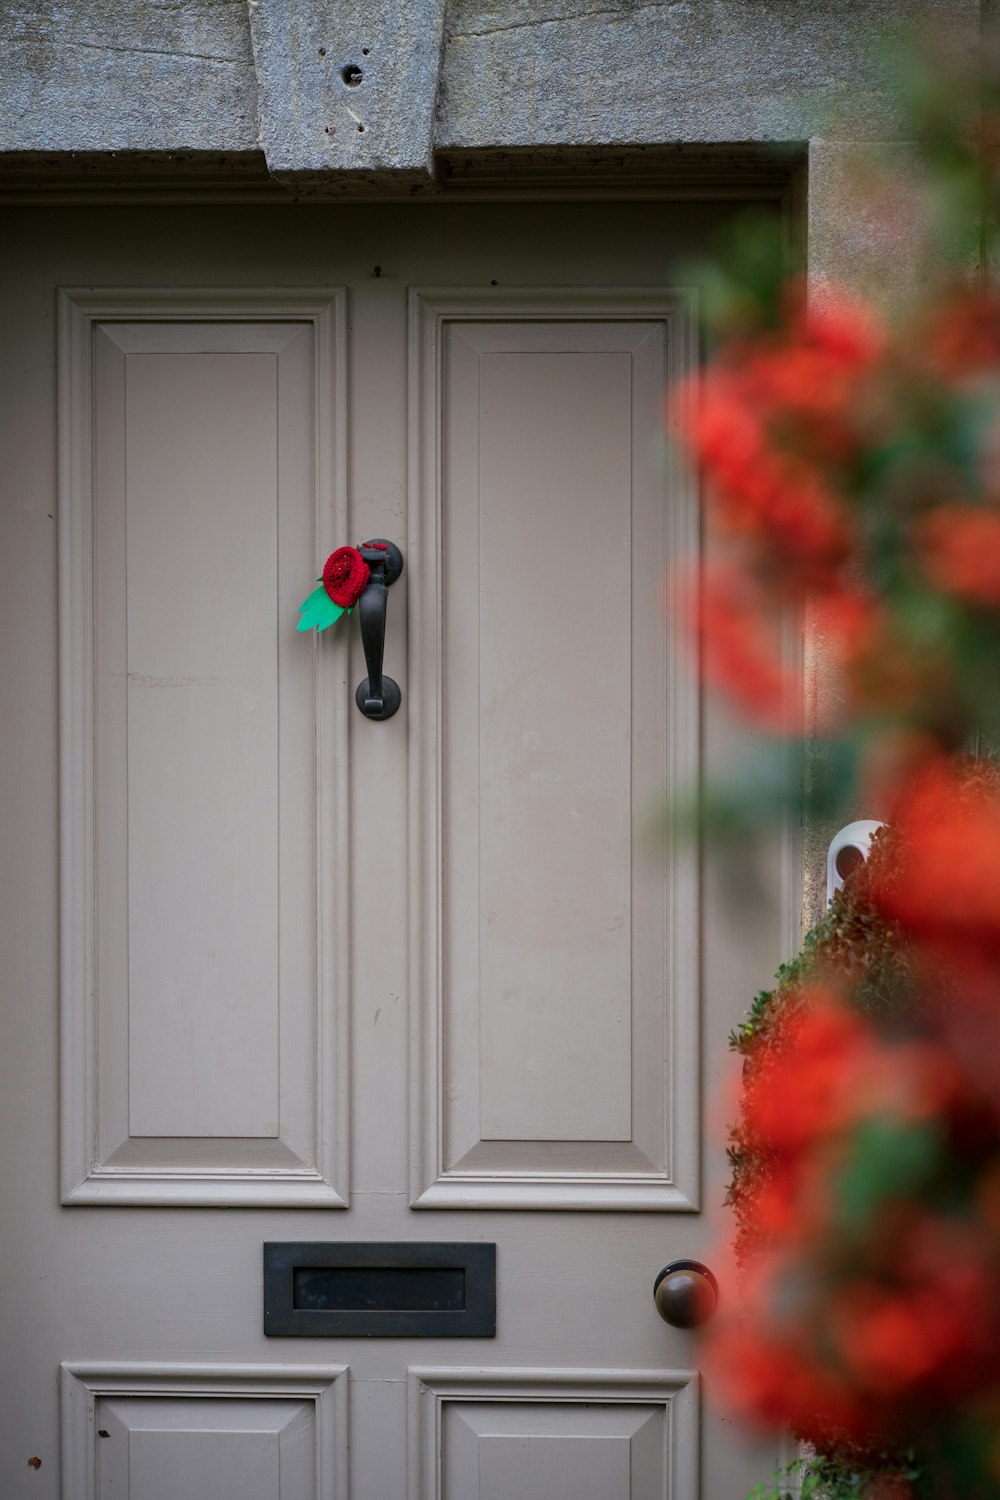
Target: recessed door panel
[[567, 992], [198, 831], [553, 1434], [134, 1432]]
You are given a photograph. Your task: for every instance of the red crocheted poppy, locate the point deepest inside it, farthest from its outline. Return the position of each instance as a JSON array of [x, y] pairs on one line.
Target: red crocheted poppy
[[345, 574]]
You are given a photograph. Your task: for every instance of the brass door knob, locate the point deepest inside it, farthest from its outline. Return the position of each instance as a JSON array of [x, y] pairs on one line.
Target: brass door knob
[[685, 1293]]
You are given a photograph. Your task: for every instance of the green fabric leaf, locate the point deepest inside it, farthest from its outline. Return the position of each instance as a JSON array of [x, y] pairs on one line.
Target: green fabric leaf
[[319, 610]]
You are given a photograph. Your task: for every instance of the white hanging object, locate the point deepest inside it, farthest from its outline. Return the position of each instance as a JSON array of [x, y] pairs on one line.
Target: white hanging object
[[847, 850]]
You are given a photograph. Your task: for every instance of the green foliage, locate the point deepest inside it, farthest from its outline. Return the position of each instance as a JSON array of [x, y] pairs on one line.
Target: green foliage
[[855, 947], [904, 596], [852, 942], [743, 284], [891, 1159], [847, 1477]]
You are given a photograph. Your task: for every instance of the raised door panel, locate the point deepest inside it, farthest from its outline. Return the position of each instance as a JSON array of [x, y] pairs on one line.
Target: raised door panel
[[204, 779], [135, 1432], [553, 1435], [557, 970]]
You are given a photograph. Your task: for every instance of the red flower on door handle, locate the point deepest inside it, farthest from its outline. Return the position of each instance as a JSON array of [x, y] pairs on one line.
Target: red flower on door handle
[[345, 574]]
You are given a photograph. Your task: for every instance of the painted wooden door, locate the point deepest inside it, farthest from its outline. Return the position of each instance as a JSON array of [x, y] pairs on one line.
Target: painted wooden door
[[327, 979]]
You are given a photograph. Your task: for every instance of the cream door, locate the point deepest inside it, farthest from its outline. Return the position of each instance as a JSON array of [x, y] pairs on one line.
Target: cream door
[[323, 979]]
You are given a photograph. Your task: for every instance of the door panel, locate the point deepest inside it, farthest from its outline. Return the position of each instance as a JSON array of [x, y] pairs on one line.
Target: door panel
[[204, 773], [232, 1434], [445, 954], [552, 1434], [563, 1004]]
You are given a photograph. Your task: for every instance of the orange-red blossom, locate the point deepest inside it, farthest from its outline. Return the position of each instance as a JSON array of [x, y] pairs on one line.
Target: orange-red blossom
[[766, 418], [868, 1321], [852, 1343]]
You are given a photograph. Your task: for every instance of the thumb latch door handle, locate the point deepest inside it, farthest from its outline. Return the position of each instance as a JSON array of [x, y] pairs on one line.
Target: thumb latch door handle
[[378, 697]]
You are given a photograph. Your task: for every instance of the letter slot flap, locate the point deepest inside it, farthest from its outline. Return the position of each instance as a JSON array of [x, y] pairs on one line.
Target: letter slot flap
[[322, 1289]]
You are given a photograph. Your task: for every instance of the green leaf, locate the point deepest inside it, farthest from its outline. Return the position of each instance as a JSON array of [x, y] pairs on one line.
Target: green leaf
[[889, 1159], [319, 610]]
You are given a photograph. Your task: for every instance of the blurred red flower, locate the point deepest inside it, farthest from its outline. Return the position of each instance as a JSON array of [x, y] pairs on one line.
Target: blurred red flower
[[854, 474], [776, 501], [851, 1322], [767, 418], [959, 549], [963, 333], [739, 648], [810, 1085], [944, 887]]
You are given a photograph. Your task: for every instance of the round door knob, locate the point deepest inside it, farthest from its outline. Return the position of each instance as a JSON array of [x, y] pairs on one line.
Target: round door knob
[[685, 1293]]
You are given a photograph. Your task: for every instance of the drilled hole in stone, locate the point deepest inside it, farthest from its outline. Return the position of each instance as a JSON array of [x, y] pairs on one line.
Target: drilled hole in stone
[[361, 130], [365, 51], [322, 52], [352, 75]]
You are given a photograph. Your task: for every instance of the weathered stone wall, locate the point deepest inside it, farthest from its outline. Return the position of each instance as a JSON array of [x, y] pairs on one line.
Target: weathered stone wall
[[335, 91], [520, 71], [126, 75]]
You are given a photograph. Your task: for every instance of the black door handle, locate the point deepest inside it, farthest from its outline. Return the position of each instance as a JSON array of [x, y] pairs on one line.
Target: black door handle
[[378, 697]]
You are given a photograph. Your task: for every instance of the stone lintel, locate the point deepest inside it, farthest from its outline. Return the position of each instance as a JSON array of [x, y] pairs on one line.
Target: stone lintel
[[347, 91]]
